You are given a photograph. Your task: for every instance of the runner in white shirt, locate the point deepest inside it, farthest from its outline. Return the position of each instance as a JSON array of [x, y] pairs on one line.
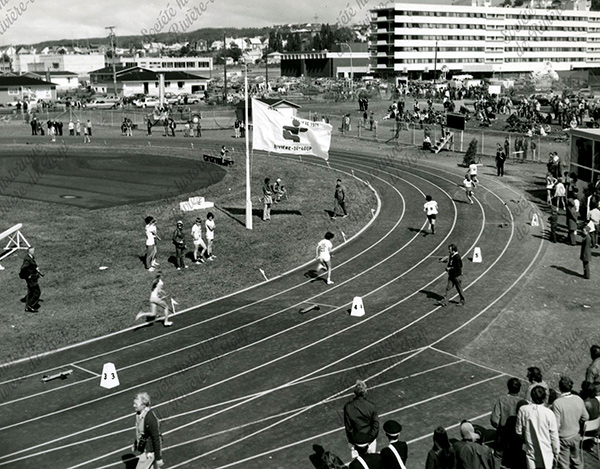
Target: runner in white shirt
[[197, 237], [210, 235], [431, 209], [324, 255], [468, 185], [473, 173], [157, 299]]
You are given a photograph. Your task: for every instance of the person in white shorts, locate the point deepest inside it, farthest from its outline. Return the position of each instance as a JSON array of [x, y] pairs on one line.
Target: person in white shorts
[[198, 241], [468, 185], [473, 173], [210, 235], [324, 255], [431, 210], [157, 299]]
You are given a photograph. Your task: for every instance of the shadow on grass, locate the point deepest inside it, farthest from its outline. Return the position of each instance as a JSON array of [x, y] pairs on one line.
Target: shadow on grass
[[258, 212], [566, 271], [418, 230]]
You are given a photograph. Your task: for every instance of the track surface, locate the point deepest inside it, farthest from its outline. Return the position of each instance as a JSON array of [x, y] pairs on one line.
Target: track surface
[[246, 381]]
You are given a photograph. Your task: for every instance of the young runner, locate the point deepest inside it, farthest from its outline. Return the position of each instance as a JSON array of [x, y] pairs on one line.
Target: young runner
[[431, 209], [324, 255], [468, 185], [157, 299]]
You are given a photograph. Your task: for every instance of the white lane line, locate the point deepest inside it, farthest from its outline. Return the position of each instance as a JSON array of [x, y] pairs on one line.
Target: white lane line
[[212, 318], [239, 427], [133, 328], [456, 425], [156, 357], [87, 371], [490, 267], [471, 362], [329, 432]]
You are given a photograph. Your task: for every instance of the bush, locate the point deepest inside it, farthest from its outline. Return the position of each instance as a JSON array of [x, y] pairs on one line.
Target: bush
[[471, 153]]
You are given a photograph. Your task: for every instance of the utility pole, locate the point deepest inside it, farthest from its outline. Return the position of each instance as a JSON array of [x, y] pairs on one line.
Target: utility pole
[[112, 47], [225, 69]]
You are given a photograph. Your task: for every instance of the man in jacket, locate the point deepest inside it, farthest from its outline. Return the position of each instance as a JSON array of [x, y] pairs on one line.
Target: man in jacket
[[30, 273], [394, 456], [340, 199], [147, 434], [454, 270], [469, 454], [360, 417], [179, 242], [586, 252]]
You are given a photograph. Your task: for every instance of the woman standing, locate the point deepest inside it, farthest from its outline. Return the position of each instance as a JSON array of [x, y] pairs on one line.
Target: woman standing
[[442, 455]]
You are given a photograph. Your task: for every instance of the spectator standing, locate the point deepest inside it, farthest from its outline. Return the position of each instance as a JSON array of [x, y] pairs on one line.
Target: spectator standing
[[339, 199], [86, 135], [210, 235], [504, 409], [550, 183], [570, 413], [198, 130], [394, 456], [157, 299], [198, 241], [454, 270], [267, 191], [361, 420], [586, 252], [571, 222], [442, 455], [324, 248], [78, 128], [469, 454], [590, 400], [534, 376], [431, 210], [179, 242], [71, 128], [507, 147], [30, 273], [89, 127], [537, 425], [147, 434], [500, 160], [560, 192], [594, 217], [34, 126], [151, 237], [592, 374]]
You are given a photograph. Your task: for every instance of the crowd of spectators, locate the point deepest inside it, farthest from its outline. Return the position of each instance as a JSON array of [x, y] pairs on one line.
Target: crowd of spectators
[[533, 427]]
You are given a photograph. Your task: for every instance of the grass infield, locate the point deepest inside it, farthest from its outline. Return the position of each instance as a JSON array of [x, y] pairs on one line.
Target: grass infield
[[72, 243]]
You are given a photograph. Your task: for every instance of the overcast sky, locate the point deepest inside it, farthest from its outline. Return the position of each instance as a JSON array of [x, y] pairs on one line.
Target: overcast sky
[[73, 19]]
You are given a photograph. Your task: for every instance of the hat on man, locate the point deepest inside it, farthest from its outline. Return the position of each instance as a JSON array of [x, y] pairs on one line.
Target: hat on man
[[198, 220], [467, 432], [362, 440], [179, 222], [392, 428]]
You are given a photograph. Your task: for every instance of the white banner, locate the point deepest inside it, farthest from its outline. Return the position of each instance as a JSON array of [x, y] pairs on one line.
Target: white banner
[[273, 131]]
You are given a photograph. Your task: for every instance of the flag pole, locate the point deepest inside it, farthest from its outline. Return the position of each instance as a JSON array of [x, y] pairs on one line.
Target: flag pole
[[247, 132]]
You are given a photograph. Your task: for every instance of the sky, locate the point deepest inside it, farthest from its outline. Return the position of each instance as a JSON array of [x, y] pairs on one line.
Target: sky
[[32, 21]]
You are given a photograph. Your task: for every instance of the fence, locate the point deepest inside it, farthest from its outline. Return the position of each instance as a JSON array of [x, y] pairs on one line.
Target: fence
[[538, 147]]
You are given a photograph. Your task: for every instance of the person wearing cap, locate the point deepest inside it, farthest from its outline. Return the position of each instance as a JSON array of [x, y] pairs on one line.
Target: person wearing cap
[[364, 458], [538, 427], [394, 456], [179, 242], [151, 237], [360, 418], [197, 236], [469, 454]]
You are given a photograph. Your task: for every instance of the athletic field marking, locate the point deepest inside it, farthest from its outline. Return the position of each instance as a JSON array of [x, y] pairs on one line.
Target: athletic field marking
[[316, 437], [323, 304], [87, 371], [225, 314], [132, 328], [131, 428], [471, 361]]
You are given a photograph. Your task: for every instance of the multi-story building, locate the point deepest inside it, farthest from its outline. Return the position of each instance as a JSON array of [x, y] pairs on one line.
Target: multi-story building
[[347, 60], [415, 39], [168, 64]]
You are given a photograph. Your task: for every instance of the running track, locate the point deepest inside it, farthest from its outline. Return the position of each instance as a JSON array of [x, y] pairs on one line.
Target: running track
[[246, 381]]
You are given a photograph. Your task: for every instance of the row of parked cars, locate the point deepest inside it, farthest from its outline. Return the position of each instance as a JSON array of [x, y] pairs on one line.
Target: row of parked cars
[[142, 101]]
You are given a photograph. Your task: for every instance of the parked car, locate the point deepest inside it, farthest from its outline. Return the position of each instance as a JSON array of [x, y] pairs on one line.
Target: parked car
[[147, 102], [99, 104]]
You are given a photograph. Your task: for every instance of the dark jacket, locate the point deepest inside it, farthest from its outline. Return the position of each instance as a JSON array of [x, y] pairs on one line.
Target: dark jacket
[[454, 265], [360, 416], [470, 455], [440, 459], [586, 249], [152, 435], [29, 269], [373, 462], [179, 238], [571, 218]]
